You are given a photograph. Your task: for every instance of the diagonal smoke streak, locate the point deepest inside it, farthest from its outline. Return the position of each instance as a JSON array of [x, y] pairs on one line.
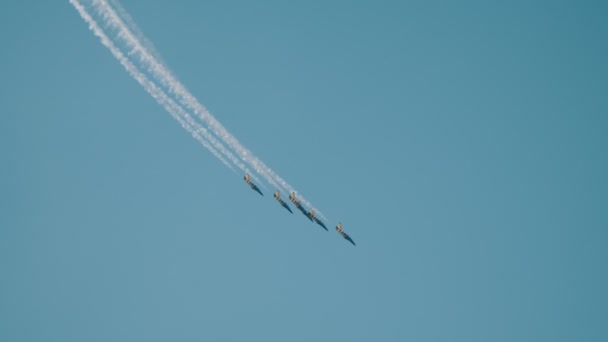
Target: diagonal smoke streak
[[113, 20], [176, 111], [166, 78], [128, 20]]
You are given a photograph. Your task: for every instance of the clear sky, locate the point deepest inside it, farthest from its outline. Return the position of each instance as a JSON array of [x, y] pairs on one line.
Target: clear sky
[[462, 145]]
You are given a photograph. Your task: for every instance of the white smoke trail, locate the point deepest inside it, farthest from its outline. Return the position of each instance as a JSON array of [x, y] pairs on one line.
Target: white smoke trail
[[176, 111], [161, 73], [128, 20], [166, 78]]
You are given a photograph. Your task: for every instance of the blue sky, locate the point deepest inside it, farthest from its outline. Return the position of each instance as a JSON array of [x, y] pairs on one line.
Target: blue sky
[[462, 145]]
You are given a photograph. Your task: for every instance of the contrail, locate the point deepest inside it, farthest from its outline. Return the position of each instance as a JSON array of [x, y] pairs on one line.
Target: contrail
[[128, 20], [176, 111], [166, 78], [113, 20]]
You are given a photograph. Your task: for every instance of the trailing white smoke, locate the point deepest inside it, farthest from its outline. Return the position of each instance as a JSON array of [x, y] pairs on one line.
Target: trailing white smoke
[[128, 20], [165, 78], [177, 112]]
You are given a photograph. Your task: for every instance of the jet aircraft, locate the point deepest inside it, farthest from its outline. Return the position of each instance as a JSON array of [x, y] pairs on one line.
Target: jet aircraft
[[312, 217], [292, 198], [253, 186], [277, 196], [344, 235], [296, 202]]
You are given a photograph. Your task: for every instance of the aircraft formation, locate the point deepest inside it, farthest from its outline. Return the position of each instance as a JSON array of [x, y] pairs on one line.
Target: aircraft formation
[[309, 214]]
